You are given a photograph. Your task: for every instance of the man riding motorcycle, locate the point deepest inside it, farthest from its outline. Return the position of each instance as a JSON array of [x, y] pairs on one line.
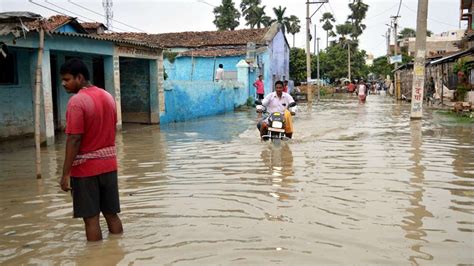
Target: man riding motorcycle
[[277, 101]]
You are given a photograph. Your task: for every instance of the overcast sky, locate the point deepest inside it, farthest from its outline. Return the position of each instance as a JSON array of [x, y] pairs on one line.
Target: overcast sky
[[159, 16]]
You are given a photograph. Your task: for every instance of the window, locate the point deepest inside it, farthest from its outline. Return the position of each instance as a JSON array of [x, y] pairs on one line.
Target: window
[[8, 71]]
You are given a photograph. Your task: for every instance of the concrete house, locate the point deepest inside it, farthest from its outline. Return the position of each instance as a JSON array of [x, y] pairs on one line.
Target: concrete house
[[130, 70], [196, 55], [191, 58]]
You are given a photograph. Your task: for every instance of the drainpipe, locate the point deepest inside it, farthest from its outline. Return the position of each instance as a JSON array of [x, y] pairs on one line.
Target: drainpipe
[[38, 85]]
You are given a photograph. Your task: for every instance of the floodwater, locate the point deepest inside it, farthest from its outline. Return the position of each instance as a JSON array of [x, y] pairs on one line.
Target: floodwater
[[359, 184]]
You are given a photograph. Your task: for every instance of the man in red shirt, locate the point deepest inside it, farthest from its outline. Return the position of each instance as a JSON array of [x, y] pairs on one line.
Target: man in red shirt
[[90, 164], [258, 84]]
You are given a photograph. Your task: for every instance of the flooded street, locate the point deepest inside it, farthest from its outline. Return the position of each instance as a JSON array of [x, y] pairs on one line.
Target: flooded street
[[358, 184]]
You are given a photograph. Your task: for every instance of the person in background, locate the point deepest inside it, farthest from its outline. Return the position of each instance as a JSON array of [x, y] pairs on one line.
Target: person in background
[[277, 101], [362, 91], [350, 87], [430, 91], [90, 164], [258, 84], [220, 73], [285, 86]]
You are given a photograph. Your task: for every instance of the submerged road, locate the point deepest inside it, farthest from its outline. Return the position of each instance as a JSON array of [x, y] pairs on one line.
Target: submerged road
[[358, 184]]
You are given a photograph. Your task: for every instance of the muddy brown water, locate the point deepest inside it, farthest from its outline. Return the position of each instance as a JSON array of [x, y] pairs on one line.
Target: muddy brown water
[[359, 184]]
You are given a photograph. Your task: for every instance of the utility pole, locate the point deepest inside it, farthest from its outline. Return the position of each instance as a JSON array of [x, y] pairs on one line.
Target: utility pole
[[317, 67], [308, 51], [389, 31], [315, 37], [395, 53], [419, 68], [308, 55], [107, 4], [349, 60]]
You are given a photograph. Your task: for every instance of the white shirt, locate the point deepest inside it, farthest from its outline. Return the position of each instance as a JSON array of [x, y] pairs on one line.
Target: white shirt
[[220, 74], [275, 104], [361, 89]]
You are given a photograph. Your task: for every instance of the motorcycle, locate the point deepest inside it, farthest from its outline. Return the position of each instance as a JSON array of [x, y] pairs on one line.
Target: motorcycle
[[276, 121]]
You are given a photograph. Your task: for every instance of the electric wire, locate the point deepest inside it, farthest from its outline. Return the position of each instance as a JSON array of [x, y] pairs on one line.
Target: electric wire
[[62, 13], [434, 20], [102, 15], [399, 7], [381, 13]]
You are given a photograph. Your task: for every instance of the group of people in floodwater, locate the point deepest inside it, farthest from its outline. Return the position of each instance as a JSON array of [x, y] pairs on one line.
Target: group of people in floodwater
[[362, 89]]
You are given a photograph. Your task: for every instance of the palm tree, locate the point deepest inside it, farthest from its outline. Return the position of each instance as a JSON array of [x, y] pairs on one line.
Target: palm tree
[[359, 10], [259, 18], [280, 17], [294, 26], [344, 30], [327, 26]]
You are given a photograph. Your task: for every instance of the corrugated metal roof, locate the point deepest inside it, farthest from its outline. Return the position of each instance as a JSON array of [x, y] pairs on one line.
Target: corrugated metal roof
[[452, 57]]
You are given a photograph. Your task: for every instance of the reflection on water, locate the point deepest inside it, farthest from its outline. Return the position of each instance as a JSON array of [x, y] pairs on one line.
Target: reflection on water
[[413, 223], [357, 184]]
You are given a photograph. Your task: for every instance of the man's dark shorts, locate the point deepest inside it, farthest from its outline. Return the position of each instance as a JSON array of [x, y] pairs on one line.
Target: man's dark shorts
[[95, 194]]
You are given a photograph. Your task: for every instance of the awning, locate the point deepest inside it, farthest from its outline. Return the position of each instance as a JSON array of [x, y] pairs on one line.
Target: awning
[[452, 57]]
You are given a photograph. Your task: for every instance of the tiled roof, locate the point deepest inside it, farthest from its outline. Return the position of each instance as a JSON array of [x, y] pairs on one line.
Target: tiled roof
[[199, 39], [92, 25], [211, 38], [55, 22]]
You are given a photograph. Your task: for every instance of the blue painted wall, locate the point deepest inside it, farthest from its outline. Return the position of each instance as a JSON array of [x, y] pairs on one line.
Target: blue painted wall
[[66, 28], [185, 100], [199, 68], [16, 101]]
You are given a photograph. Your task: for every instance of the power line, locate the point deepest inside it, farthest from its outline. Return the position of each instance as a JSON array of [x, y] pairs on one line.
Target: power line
[[59, 12], [102, 15], [441, 22], [399, 7], [332, 11], [381, 13], [46, 1]]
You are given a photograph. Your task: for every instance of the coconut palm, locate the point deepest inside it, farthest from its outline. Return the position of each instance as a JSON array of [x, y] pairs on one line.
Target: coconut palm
[[293, 26], [280, 17], [327, 26]]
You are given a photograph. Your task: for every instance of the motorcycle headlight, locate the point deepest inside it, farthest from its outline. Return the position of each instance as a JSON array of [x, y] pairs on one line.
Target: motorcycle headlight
[[277, 124]]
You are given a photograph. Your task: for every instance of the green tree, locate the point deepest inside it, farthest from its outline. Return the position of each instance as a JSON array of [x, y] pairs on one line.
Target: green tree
[[226, 16], [327, 26], [333, 63], [359, 10], [254, 14], [409, 33], [344, 30], [297, 64], [259, 18], [293, 26], [281, 18], [381, 67]]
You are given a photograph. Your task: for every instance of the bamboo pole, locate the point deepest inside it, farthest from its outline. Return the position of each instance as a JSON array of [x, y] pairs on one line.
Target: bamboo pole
[[38, 85]]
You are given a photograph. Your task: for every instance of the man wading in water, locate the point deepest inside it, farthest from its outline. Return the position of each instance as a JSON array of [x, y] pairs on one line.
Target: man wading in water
[[90, 164]]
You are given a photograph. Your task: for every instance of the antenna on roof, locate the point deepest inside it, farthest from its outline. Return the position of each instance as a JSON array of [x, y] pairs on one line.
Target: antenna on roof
[[107, 4]]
